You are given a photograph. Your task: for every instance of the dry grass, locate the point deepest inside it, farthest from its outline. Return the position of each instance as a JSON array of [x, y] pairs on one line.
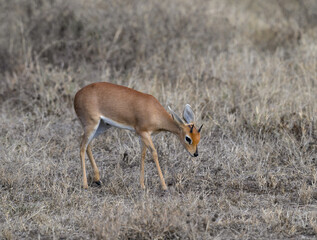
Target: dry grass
[[248, 68]]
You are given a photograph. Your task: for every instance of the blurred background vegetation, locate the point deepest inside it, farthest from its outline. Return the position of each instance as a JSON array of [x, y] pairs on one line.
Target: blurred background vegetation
[[154, 40], [121, 35]]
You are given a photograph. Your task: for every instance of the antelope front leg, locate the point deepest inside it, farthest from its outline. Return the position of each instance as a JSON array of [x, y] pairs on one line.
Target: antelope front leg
[[154, 153], [147, 140]]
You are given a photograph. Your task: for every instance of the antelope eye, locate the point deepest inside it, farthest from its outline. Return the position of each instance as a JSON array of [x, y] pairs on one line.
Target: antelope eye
[[187, 139]]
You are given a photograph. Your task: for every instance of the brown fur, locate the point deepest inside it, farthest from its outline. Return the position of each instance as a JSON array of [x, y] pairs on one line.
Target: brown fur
[[128, 107]]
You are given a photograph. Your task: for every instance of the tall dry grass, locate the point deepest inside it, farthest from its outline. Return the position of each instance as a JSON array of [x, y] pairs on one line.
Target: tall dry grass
[[248, 68]]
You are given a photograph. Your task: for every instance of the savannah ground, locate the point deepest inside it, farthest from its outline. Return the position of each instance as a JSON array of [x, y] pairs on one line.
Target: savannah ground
[[248, 69]]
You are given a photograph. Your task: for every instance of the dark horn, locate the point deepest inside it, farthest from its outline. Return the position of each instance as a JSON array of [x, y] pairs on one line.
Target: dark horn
[[200, 127], [191, 129]]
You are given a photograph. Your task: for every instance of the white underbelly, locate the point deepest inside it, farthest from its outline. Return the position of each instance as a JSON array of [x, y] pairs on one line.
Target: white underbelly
[[116, 124]]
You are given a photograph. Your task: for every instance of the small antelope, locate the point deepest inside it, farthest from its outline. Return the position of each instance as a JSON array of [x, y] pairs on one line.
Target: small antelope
[[102, 105]]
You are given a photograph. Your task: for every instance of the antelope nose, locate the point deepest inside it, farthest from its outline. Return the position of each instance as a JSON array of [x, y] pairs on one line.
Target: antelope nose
[[196, 153]]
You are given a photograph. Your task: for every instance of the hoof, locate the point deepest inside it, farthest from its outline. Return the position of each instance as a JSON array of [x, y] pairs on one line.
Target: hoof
[[163, 192], [98, 182]]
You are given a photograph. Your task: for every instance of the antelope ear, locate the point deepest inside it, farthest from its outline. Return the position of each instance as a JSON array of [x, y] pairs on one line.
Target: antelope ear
[[188, 114], [176, 117]]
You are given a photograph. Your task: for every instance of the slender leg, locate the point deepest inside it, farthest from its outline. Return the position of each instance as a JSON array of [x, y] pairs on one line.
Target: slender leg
[[93, 164], [87, 137], [142, 166], [82, 156], [154, 153], [146, 138]]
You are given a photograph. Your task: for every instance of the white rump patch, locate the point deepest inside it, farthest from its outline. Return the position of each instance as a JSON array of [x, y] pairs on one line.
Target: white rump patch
[[116, 124]]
